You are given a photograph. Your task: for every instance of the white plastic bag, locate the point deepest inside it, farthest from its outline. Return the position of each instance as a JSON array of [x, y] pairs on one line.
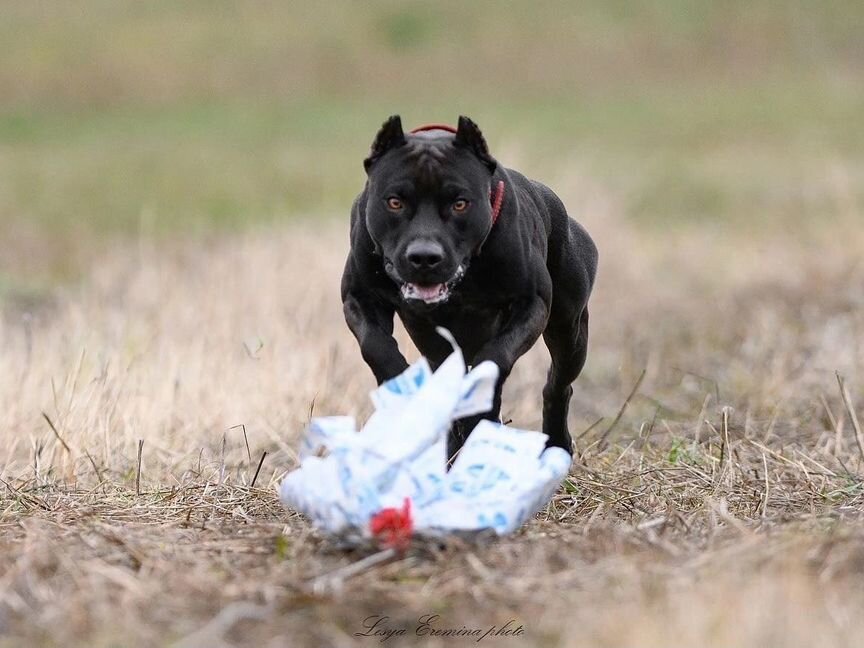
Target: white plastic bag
[[501, 477]]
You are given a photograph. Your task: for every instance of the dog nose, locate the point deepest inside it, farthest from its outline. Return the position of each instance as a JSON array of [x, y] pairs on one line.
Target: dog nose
[[424, 255]]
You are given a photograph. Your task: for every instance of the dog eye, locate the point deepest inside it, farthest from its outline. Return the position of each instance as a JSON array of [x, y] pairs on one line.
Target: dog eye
[[460, 206], [394, 203]]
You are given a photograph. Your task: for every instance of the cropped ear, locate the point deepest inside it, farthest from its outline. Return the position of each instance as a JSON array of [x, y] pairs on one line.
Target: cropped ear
[[389, 137], [468, 135]]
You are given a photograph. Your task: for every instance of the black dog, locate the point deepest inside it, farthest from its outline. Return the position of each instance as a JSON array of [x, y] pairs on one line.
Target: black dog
[[444, 236]]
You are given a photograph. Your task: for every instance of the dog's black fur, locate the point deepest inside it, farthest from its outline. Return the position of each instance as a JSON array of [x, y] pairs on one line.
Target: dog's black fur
[[423, 246]]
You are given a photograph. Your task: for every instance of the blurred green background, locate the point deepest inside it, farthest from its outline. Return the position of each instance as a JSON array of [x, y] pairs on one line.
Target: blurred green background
[[121, 119]]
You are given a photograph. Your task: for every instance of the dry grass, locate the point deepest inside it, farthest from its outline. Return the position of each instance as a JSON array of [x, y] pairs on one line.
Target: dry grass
[[723, 508]]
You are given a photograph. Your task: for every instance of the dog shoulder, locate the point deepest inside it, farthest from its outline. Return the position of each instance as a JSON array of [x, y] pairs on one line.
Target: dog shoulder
[[566, 231], [358, 213], [544, 201], [553, 204], [360, 242]]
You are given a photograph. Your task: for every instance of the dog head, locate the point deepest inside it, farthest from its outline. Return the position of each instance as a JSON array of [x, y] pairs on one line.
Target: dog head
[[428, 209]]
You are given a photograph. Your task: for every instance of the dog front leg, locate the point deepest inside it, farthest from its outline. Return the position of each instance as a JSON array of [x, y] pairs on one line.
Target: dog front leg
[[371, 322], [522, 329], [519, 334]]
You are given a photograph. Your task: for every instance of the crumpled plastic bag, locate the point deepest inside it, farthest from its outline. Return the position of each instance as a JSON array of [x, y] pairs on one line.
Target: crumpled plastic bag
[[500, 478]]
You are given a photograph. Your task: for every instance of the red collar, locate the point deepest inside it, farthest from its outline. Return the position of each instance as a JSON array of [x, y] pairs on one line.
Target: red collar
[[496, 199], [428, 127]]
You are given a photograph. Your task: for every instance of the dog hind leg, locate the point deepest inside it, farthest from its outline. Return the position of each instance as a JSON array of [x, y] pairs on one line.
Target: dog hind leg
[[567, 341]]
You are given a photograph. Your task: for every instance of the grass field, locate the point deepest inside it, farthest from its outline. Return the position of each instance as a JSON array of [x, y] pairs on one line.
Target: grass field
[[174, 186], [728, 497]]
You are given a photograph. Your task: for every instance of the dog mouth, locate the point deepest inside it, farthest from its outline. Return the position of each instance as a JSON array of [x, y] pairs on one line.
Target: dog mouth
[[435, 293], [431, 294]]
